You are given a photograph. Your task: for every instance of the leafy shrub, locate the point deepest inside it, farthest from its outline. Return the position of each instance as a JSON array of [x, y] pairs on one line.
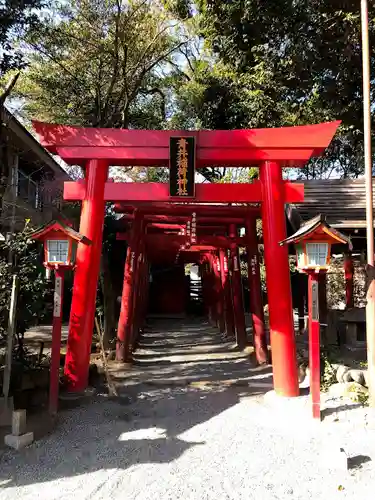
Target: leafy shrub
[[336, 283], [328, 374], [34, 302]]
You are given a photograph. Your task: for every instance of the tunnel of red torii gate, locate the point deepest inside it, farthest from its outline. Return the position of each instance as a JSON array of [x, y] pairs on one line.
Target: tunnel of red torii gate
[[156, 225]]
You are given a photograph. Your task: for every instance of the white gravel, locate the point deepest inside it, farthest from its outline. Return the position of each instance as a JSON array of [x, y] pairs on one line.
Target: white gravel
[[196, 442], [190, 444]]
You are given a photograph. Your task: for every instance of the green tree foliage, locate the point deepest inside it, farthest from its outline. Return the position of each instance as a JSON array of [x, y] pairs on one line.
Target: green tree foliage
[[181, 9], [16, 17], [100, 64], [283, 62], [221, 65], [35, 293]]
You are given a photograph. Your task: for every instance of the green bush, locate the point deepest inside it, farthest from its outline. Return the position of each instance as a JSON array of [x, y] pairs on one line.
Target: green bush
[[34, 302]]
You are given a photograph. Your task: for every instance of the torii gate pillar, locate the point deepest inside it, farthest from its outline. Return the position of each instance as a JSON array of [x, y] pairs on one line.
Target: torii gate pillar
[[256, 302], [82, 311], [285, 376], [228, 307]]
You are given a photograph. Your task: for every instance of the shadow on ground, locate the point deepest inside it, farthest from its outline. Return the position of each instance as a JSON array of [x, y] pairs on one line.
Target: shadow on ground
[[326, 412], [145, 424], [109, 434]]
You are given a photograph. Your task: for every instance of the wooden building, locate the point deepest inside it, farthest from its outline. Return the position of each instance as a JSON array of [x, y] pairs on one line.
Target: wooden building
[[342, 201], [31, 180]]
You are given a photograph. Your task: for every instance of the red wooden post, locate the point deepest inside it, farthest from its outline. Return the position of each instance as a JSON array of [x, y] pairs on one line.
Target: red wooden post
[[255, 287], [314, 343], [323, 306], [127, 298], [134, 320], [237, 293], [284, 358], [219, 295], [137, 246], [301, 299], [212, 313], [86, 277], [228, 307], [205, 286], [147, 290], [133, 305], [122, 327], [146, 286], [56, 341], [142, 294], [211, 291], [137, 303], [143, 300], [349, 280]]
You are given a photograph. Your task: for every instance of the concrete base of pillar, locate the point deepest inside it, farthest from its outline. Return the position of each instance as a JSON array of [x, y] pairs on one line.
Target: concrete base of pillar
[[18, 442], [289, 409]]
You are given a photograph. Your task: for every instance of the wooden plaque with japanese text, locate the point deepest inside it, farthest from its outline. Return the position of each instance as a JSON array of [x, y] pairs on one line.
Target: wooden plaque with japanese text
[[182, 167]]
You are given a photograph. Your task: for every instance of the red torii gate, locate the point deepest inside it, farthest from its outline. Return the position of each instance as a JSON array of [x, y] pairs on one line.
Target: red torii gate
[[270, 149], [224, 303]]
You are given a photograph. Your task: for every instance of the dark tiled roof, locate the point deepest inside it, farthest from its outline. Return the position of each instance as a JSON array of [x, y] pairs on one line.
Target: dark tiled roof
[[341, 201], [58, 224], [309, 227]]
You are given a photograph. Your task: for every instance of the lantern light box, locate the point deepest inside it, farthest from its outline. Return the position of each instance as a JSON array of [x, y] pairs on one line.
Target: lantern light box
[[313, 243], [60, 243]]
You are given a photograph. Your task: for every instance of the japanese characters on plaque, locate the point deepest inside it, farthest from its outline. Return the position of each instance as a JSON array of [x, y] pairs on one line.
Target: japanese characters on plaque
[[193, 237], [182, 167], [225, 263], [57, 297], [188, 235], [315, 301], [253, 262]]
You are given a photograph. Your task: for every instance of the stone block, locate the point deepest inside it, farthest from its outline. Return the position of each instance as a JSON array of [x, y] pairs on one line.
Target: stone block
[[350, 390], [19, 422], [341, 371], [357, 376], [19, 442]]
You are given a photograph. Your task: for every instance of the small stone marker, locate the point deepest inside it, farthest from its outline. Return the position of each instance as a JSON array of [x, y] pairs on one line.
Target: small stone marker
[[19, 437], [19, 422]]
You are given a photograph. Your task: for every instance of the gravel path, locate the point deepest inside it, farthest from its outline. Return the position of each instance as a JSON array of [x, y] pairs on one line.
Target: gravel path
[[173, 442]]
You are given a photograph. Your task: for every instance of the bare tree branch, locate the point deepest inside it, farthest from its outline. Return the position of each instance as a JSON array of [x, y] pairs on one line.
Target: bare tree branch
[[9, 87], [182, 73], [164, 56], [187, 59], [149, 46], [148, 68], [158, 91], [62, 66]]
